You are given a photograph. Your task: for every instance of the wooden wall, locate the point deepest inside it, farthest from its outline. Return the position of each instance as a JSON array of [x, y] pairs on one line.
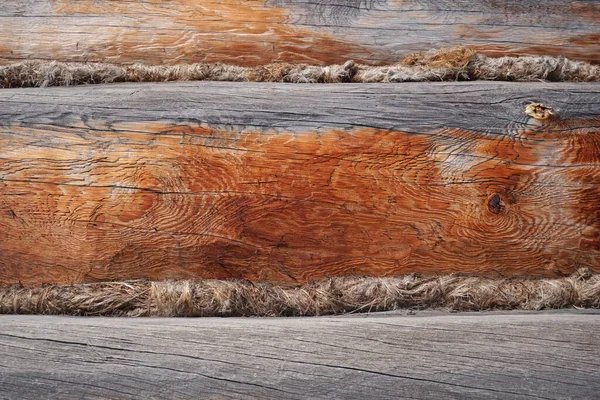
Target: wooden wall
[[257, 32], [289, 183]]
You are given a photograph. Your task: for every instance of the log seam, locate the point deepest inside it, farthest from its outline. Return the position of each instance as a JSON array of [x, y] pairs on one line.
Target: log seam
[[335, 295], [436, 65]]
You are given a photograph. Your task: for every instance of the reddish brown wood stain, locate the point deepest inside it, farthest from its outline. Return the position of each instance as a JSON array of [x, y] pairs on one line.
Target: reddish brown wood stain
[[258, 32], [189, 202], [243, 33]]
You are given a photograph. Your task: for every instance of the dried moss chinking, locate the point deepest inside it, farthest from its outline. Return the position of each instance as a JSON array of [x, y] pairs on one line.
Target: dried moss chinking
[[336, 295], [436, 65]]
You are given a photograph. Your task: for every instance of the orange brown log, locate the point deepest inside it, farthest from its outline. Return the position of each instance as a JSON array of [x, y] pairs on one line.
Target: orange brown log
[[246, 188], [259, 32]]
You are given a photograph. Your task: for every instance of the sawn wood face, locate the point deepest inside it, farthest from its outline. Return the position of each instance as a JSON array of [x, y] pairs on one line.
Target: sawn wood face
[[257, 32], [289, 183]]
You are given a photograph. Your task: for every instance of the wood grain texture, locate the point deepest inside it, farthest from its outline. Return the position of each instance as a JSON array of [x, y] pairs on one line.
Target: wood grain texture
[[319, 32], [288, 183], [479, 356]]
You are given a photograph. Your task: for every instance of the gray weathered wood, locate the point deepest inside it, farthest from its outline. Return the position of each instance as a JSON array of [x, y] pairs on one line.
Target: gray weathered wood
[[257, 32], [550, 355], [490, 109]]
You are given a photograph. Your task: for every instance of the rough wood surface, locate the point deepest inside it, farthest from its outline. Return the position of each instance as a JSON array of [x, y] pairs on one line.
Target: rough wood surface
[[258, 31], [288, 183], [478, 356]]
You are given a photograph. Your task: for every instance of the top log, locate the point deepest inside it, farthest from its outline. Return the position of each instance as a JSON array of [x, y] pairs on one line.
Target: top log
[[257, 32], [288, 183]]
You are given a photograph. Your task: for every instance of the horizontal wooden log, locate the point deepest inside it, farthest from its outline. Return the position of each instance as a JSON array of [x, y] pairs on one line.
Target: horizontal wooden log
[[392, 356], [289, 183], [261, 31]]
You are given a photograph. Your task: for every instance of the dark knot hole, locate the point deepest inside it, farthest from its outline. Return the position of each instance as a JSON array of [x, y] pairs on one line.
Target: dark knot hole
[[495, 204]]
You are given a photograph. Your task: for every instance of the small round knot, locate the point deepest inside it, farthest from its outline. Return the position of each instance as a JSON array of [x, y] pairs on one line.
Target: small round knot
[[495, 204], [539, 111]]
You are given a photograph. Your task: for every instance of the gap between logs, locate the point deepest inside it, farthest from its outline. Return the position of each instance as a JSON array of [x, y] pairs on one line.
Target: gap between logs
[[336, 295], [436, 65]]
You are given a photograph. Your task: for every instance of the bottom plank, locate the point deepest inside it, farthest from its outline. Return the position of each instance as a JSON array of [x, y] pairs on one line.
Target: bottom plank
[[550, 355]]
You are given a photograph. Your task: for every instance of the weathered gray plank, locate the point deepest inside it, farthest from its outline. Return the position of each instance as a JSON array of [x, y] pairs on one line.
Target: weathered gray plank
[[493, 109], [550, 355], [257, 32], [288, 183]]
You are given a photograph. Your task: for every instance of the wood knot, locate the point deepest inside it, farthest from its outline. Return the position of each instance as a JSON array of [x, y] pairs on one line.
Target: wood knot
[[495, 204], [539, 111]]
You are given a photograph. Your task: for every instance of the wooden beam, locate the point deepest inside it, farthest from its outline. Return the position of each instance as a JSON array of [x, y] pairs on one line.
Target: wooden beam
[[319, 32], [427, 356], [289, 183]]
